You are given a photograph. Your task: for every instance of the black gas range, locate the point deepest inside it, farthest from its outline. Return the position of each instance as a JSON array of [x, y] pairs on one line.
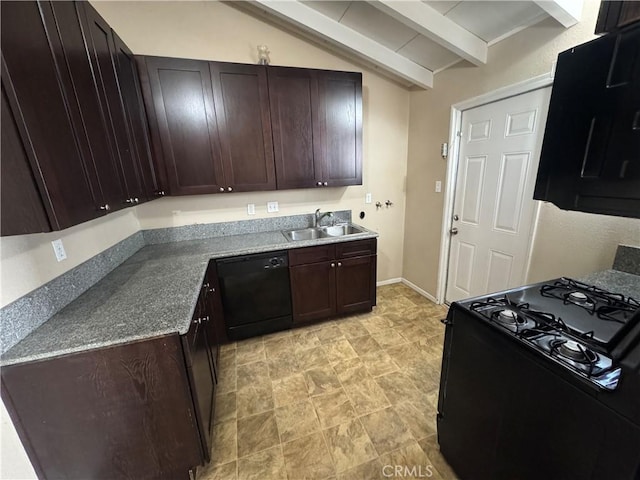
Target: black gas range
[[542, 381]]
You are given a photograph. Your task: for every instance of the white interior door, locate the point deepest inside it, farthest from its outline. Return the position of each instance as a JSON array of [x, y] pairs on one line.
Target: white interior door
[[493, 206]]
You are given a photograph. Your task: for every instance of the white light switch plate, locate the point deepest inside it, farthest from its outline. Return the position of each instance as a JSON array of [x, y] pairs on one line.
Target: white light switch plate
[[367, 198], [438, 186], [58, 249], [272, 207], [251, 208]]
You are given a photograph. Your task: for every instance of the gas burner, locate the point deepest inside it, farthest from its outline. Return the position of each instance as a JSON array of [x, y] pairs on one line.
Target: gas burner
[[508, 317], [578, 297], [576, 352]]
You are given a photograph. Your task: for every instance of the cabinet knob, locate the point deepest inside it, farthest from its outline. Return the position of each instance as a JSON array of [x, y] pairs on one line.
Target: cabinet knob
[[136, 199], [333, 265], [229, 189], [160, 193], [325, 184], [105, 207], [129, 201], [222, 189], [319, 184], [339, 264], [205, 285]]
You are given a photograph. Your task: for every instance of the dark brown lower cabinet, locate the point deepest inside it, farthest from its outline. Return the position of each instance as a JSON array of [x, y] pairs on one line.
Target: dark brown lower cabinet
[[332, 280], [140, 410], [119, 412]]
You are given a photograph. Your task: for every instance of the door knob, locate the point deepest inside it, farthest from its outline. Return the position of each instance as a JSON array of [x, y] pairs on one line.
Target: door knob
[[453, 231]]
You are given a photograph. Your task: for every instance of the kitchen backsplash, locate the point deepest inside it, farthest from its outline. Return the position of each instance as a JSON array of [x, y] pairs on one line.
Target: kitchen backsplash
[[21, 317]]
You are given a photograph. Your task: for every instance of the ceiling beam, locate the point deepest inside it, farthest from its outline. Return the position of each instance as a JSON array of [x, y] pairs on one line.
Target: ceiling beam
[[357, 44], [435, 26], [567, 12]]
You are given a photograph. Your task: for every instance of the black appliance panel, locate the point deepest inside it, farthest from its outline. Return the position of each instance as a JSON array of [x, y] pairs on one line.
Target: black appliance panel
[[256, 294]]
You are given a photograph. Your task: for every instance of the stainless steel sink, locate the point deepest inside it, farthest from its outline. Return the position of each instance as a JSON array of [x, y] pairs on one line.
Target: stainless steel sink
[[321, 232]]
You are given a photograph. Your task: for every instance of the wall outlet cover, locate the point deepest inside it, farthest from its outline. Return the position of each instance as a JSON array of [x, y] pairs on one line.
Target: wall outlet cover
[[438, 186], [251, 208], [367, 198], [58, 249], [272, 207]]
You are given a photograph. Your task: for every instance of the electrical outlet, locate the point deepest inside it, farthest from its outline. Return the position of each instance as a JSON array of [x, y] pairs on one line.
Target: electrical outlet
[[438, 186], [367, 198], [251, 208], [272, 207], [58, 249]]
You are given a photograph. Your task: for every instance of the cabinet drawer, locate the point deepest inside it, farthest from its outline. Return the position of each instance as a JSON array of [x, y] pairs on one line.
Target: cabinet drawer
[[358, 248], [302, 256]]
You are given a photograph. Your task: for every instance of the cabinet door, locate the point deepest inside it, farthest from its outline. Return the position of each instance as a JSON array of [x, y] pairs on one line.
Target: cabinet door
[[200, 376], [91, 124], [355, 282], [340, 127], [99, 40], [213, 313], [182, 99], [129, 82], [617, 14], [22, 208], [293, 96], [241, 102], [313, 291], [42, 113]]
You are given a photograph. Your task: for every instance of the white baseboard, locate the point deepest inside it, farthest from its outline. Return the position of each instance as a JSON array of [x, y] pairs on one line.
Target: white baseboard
[[422, 292], [412, 286]]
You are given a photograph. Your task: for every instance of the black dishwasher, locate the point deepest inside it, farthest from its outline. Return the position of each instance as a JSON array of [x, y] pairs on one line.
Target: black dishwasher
[[256, 294]]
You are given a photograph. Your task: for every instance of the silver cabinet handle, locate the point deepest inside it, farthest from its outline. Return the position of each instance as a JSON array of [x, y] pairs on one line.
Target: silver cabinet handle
[[229, 189], [129, 200], [222, 189], [104, 207], [136, 200], [160, 193], [325, 184], [453, 231], [339, 264], [333, 265], [319, 184]]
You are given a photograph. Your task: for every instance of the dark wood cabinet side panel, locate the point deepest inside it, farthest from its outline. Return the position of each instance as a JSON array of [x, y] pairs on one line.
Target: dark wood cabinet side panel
[[242, 109], [340, 95], [128, 78], [183, 102], [313, 291], [22, 208], [118, 412], [293, 96], [41, 111], [322, 253]]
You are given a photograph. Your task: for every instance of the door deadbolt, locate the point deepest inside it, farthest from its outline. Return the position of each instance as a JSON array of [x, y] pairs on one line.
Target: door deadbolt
[[456, 218]]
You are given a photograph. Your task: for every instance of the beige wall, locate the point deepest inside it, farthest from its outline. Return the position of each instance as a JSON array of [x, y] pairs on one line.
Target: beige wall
[[525, 55], [28, 261], [218, 31]]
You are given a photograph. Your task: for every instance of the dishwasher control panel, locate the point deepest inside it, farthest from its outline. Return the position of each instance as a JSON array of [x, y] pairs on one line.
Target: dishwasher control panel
[[276, 262]]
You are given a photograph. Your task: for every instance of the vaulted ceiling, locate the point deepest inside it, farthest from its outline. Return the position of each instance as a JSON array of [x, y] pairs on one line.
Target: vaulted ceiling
[[411, 40]]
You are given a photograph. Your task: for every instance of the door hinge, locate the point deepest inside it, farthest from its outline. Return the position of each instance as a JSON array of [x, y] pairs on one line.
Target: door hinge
[[459, 133]]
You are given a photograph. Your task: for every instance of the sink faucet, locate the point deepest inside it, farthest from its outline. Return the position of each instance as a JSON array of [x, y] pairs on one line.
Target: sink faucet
[[319, 216]]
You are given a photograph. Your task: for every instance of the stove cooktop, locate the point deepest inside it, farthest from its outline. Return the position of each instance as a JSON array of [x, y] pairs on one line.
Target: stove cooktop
[[575, 324]]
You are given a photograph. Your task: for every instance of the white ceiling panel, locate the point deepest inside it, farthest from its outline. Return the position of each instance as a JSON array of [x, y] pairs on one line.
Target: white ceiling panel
[[369, 21], [442, 6], [332, 9], [493, 19], [428, 53]]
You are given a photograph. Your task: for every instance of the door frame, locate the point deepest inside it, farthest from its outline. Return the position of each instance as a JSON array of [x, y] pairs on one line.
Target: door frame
[[455, 125]]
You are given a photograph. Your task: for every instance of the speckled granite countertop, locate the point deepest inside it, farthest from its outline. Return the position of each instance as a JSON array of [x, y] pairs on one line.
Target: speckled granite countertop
[[615, 281], [151, 294]]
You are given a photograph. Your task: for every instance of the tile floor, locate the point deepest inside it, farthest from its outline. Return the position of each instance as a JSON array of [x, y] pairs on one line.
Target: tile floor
[[354, 398]]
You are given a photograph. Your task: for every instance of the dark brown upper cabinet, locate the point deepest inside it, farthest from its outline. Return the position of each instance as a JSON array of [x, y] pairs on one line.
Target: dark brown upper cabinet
[[102, 54], [317, 127], [22, 208], [181, 96], [241, 100], [617, 14], [39, 104], [590, 158], [128, 79], [212, 124]]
